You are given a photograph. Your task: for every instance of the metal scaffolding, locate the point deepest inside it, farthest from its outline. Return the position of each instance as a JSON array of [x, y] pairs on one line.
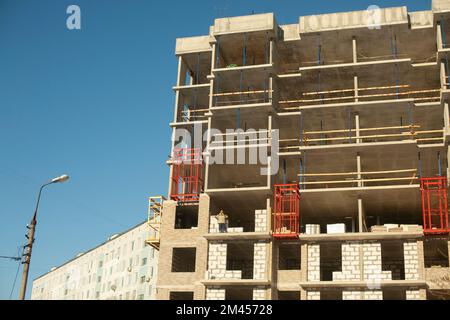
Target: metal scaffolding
[[187, 178], [434, 205], [286, 215], [155, 210]]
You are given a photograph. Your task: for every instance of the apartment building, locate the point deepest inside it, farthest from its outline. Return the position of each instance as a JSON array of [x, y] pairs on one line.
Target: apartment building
[[122, 268]]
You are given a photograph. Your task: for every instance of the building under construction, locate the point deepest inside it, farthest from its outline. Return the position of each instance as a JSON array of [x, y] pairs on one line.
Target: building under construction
[[352, 109]]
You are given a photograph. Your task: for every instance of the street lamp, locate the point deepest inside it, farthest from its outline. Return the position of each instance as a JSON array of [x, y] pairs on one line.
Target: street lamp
[[30, 236]]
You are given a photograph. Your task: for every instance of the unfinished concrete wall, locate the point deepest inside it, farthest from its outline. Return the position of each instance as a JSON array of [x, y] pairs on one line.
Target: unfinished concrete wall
[[354, 19]]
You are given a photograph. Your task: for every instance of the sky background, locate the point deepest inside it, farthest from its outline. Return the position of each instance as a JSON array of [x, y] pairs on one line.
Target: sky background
[[95, 104]]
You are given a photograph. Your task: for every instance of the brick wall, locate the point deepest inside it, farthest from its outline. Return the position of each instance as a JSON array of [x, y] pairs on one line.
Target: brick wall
[[260, 261], [372, 263], [313, 295], [217, 262], [411, 260], [313, 262], [362, 295], [350, 263], [213, 225], [413, 295], [260, 220], [215, 293], [259, 293]]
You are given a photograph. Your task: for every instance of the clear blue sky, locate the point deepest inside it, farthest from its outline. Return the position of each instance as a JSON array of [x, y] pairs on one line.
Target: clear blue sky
[[96, 104]]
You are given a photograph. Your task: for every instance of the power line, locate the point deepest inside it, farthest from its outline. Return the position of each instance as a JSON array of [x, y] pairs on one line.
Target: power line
[[19, 259], [10, 258]]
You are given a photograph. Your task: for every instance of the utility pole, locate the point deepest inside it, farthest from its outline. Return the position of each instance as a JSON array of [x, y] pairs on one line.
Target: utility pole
[[27, 255], [30, 236]]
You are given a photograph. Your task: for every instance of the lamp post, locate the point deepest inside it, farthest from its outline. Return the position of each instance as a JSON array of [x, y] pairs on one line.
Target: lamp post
[[30, 236]]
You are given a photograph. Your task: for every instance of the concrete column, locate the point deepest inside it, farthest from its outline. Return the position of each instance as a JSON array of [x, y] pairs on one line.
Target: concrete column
[[273, 269], [355, 53], [269, 215], [448, 252], [444, 79], [439, 36], [213, 56], [361, 216], [358, 168], [357, 128], [304, 263], [448, 166], [169, 191], [356, 86], [272, 52], [207, 157], [181, 72], [446, 116]]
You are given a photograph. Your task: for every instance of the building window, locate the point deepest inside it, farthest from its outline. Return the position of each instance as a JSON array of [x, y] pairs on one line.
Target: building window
[[97, 294], [100, 264], [181, 296], [99, 278], [142, 279], [141, 297], [183, 259], [144, 261], [186, 217]]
